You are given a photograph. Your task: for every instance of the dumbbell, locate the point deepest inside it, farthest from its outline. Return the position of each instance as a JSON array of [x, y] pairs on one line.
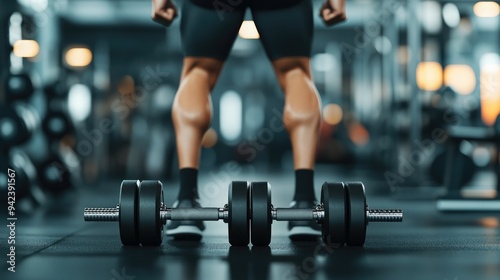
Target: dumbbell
[[55, 176], [17, 124], [56, 125], [18, 87], [343, 213], [141, 213], [26, 181]]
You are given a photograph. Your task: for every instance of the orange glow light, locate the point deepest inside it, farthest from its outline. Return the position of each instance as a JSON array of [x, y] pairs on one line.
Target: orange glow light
[[460, 78], [489, 222], [490, 94], [126, 85], [429, 76], [26, 48], [486, 9], [209, 139], [358, 134], [332, 114], [78, 57]]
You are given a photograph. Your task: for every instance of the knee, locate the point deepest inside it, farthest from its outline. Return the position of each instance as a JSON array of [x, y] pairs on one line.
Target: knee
[[292, 69], [206, 69]]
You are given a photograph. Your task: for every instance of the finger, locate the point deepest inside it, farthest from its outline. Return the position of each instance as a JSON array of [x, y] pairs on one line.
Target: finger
[[167, 15], [327, 14], [324, 7], [163, 18], [337, 13], [172, 13], [324, 14], [338, 16], [172, 7]]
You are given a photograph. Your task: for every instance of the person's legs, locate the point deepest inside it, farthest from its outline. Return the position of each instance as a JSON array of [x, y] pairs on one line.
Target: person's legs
[[286, 32], [301, 116], [192, 114], [206, 40]]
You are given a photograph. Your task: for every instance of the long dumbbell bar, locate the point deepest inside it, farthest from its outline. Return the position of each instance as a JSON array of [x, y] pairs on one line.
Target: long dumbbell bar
[[317, 214], [215, 214], [343, 213], [174, 214]]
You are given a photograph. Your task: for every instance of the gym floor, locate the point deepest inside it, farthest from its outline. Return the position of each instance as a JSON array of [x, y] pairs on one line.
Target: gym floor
[[58, 244]]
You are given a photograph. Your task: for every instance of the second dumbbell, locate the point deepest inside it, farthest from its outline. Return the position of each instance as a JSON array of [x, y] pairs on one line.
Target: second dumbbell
[[343, 213]]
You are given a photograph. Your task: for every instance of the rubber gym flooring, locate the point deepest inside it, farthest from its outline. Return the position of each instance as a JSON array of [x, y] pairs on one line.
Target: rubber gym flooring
[[55, 243]]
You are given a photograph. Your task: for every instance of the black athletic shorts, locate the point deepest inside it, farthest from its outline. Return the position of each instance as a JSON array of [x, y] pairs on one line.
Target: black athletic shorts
[[209, 27]]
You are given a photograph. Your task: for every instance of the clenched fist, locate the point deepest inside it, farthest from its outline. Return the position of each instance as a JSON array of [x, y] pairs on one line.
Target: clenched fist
[[164, 12], [333, 12]]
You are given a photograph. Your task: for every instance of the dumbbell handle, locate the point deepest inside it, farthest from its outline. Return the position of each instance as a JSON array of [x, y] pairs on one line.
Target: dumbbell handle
[[174, 214], [193, 214], [317, 214]]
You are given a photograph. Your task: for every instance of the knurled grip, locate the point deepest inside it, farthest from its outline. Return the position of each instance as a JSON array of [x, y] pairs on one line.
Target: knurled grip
[[384, 215], [101, 214]]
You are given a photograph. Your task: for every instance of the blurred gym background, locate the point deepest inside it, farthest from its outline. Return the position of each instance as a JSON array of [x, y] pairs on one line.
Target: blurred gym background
[[409, 88]]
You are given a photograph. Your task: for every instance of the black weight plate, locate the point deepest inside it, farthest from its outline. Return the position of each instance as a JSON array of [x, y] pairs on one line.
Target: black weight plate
[[333, 198], [21, 180], [238, 224], [13, 130], [261, 218], [56, 125], [150, 224], [54, 175], [129, 233], [19, 87], [17, 124], [356, 214]]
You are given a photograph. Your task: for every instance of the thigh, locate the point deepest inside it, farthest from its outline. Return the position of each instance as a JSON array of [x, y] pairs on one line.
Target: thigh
[[286, 30], [209, 31]]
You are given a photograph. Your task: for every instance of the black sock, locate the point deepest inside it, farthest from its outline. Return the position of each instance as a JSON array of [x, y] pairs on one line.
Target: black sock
[[304, 185], [189, 184]]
